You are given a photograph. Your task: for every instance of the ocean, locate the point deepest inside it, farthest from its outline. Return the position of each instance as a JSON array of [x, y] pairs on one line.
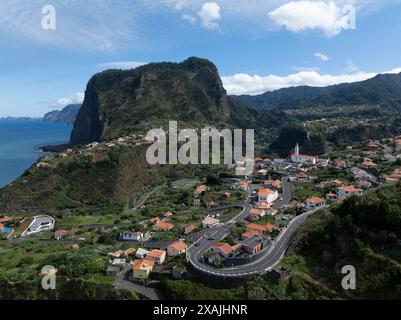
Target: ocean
[[19, 142]]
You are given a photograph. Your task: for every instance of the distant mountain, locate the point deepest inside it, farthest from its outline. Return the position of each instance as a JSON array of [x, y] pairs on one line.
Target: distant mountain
[[68, 114], [382, 89]]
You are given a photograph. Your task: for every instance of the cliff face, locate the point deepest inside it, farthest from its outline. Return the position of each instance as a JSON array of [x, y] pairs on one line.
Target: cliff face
[[117, 102]]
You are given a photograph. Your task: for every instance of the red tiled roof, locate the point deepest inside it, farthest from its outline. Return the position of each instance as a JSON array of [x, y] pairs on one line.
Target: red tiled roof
[[179, 246], [264, 192], [316, 200], [223, 246], [251, 233]]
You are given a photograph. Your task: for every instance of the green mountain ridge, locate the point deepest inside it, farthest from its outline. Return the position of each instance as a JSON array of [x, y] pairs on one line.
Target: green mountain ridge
[[382, 89]]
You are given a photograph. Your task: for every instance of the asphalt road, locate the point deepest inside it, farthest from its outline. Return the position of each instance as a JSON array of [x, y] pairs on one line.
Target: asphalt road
[[287, 191], [268, 260]]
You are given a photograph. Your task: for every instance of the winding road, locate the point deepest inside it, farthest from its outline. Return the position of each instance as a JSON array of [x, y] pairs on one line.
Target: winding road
[[271, 257]]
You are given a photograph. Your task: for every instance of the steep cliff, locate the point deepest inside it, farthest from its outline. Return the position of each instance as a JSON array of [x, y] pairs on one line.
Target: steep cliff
[[119, 102]]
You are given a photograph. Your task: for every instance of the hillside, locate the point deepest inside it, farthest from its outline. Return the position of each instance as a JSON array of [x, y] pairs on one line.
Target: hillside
[[68, 114], [125, 104], [364, 232], [382, 89]]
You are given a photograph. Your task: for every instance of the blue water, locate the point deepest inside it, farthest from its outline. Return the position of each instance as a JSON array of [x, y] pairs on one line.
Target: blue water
[[19, 141]]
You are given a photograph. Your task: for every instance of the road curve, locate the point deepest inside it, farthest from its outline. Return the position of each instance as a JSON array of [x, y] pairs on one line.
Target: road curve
[[271, 257]]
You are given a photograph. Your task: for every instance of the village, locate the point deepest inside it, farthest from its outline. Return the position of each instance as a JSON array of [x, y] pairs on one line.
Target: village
[[153, 240]]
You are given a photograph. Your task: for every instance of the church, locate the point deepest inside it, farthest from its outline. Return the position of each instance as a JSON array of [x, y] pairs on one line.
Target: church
[[301, 158]]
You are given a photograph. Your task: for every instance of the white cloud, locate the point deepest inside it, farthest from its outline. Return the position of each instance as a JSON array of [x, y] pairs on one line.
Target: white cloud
[[299, 16], [75, 98], [322, 56], [351, 67], [394, 71], [189, 17], [121, 65], [254, 84], [209, 15]]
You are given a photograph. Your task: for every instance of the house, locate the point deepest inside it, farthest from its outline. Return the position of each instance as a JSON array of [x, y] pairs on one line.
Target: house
[[199, 190], [196, 202], [163, 226], [263, 205], [258, 213], [168, 214], [221, 248], [254, 244], [302, 177], [271, 211], [176, 248], [210, 222], [347, 191], [141, 253], [250, 234], [112, 271], [154, 220], [261, 173], [364, 184], [60, 234], [5, 220], [259, 227], [276, 184], [129, 252], [267, 195], [189, 229], [133, 236], [303, 159], [116, 254], [39, 224], [226, 195], [331, 196], [157, 256], [119, 263], [314, 202], [242, 185], [142, 268]]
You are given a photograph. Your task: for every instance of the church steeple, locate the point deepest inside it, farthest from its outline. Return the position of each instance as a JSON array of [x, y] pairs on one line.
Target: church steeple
[[296, 149]]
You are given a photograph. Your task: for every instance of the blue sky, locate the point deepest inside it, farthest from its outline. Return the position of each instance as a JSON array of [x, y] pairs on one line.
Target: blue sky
[[258, 45]]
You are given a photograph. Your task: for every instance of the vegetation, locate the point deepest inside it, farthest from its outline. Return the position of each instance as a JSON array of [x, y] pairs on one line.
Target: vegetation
[[363, 232]]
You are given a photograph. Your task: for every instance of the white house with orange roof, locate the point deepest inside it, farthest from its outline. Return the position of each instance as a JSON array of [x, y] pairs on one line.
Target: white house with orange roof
[[156, 255], [141, 268], [176, 248], [221, 248], [314, 202], [347, 191], [267, 195]]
